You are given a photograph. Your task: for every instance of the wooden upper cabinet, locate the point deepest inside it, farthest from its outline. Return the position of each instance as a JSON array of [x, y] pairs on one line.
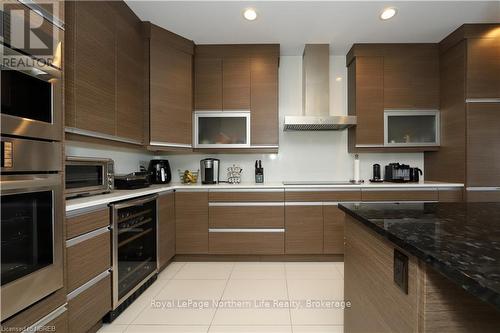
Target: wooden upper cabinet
[[483, 144], [411, 79], [264, 100], [236, 83], [92, 60], [368, 96], [483, 68], [170, 87], [208, 83], [130, 75], [104, 70]]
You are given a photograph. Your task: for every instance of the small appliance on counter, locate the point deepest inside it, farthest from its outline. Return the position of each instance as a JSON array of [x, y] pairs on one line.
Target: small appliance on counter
[[377, 178], [401, 173], [414, 174], [209, 168], [88, 176], [132, 180], [159, 172], [259, 172]]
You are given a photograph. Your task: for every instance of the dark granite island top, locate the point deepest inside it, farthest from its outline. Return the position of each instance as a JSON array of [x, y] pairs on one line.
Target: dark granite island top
[[459, 240]]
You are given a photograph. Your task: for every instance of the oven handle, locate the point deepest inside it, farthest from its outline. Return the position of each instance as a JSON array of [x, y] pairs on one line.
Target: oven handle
[[36, 68], [11, 184], [131, 203]]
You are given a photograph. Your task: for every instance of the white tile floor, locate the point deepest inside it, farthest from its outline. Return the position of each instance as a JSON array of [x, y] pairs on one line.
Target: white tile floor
[[252, 297]]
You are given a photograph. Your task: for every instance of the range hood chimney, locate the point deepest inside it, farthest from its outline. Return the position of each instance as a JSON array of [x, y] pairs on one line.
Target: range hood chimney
[[316, 94]]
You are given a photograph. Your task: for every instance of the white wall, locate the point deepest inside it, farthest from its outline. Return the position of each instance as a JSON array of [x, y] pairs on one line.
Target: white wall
[[302, 155]]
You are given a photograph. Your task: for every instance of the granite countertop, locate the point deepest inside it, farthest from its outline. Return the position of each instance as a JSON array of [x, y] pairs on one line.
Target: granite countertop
[[118, 195], [459, 240]]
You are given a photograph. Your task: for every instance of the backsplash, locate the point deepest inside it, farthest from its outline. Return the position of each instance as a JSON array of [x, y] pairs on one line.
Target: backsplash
[[302, 155]]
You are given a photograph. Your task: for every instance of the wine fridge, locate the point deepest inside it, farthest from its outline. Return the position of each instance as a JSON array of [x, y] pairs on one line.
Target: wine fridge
[[135, 255]]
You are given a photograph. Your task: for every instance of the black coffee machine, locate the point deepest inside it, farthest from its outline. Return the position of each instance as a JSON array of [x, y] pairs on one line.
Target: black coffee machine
[[159, 172]]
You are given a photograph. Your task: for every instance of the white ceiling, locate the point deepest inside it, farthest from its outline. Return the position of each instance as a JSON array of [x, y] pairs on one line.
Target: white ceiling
[[294, 23]]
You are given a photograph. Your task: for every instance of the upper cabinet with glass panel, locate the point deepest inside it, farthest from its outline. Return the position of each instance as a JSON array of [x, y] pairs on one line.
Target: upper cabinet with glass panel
[[411, 128], [221, 129]]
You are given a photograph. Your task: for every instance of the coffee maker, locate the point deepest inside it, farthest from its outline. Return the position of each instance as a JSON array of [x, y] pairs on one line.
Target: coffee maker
[[209, 168], [159, 172]]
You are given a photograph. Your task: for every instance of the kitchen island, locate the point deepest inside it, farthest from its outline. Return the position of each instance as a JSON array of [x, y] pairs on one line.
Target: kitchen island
[[422, 267]]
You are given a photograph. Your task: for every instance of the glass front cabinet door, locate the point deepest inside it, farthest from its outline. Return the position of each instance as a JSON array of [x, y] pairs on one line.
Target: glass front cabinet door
[[411, 128], [221, 129]]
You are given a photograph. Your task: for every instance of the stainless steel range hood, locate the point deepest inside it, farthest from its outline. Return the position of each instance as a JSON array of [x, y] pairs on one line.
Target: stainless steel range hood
[[316, 94]]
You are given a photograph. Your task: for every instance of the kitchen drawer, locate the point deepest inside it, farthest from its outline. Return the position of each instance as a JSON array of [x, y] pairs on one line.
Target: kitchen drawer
[[319, 196], [59, 324], [489, 195], [247, 215], [450, 195], [246, 195], [87, 256], [81, 222], [399, 195], [89, 306], [247, 241]]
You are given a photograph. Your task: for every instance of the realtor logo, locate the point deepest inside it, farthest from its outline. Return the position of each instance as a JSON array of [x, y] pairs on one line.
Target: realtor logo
[[26, 30]]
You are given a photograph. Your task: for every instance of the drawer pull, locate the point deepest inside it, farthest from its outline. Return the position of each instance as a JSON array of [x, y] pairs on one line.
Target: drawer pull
[[247, 230], [88, 284], [246, 204], [37, 327], [87, 236]]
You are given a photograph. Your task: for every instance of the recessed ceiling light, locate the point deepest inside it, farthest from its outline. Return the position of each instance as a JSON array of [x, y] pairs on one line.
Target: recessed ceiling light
[[338, 78], [250, 14], [388, 13]]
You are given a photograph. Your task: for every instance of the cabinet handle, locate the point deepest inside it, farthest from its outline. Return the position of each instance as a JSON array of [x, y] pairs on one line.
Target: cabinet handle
[[88, 284], [87, 236], [37, 327], [246, 230]]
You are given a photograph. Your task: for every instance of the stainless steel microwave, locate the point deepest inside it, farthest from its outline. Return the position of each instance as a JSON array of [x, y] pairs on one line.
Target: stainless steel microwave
[[88, 176]]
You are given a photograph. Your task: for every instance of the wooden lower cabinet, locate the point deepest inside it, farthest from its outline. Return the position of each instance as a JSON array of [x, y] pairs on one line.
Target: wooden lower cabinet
[[60, 324], [247, 216], [333, 229], [483, 196], [450, 195], [304, 229], [166, 226], [87, 258], [256, 243], [399, 195], [432, 304], [191, 222], [80, 223], [90, 306]]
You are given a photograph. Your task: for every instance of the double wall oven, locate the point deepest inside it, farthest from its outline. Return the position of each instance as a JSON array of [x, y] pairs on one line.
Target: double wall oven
[[32, 198]]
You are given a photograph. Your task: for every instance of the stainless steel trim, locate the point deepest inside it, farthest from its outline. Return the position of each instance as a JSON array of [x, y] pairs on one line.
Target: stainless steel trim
[[220, 114], [133, 290], [134, 202], [313, 188], [38, 326], [100, 135], [332, 203], [87, 236], [43, 13], [86, 210], [245, 204], [166, 192], [369, 146], [399, 202], [405, 113], [485, 188], [245, 190], [388, 189], [318, 123], [33, 155], [25, 291], [246, 230], [191, 190], [304, 203], [482, 100], [88, 284], [170, 144]]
